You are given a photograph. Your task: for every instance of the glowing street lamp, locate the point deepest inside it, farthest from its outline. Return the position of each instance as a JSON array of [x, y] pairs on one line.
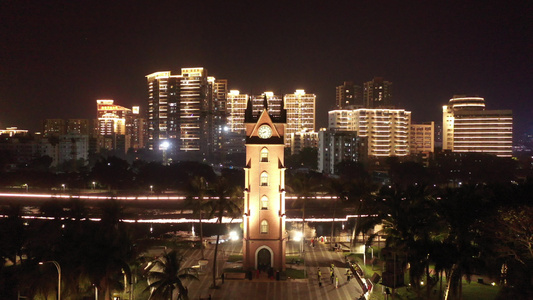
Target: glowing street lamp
[[27, 187], [94, 185], [164, 146], [58, 267], [64, 187], [151, 189]]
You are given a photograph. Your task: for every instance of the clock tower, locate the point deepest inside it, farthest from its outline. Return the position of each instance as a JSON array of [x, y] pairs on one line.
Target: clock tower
[[264, 236]]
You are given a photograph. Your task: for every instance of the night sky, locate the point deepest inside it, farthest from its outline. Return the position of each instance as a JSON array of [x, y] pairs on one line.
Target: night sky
[[57, 58]]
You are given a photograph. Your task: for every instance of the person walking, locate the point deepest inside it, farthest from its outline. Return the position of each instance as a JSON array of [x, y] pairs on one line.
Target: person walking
[[331, 275], [336, 282], [348, 275], [319, 277]]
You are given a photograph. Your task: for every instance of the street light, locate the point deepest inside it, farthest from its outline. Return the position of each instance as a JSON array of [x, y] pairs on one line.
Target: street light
[[164, 146], [94, 185], [63, 186], [27, 187], [58, 276], [151, 189]]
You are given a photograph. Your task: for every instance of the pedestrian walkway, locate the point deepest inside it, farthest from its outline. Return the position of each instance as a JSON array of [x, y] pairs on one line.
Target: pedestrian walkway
[[264, 288]]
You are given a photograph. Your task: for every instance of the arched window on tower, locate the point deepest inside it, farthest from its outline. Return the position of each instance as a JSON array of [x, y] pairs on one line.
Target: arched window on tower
[[264, 227], [264, 179], [264, 202], [264, 155]]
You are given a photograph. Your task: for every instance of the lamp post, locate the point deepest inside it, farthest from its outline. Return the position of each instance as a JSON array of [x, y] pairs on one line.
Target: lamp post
[[94, 185], [64, 187], [164, 147], [58, 267], [27, 187], [151, 189]]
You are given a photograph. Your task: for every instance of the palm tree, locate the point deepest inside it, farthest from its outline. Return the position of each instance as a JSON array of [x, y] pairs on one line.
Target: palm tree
[[410, 226], [462, 208], [338, 189], [165, 274], [12, 234], [197, 190], [226, 197], [107, 250], [304, 186]]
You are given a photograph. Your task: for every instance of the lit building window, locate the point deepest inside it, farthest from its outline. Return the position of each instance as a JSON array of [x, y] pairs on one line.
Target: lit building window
[[264, 155], [264, 179], [264, 226], [264, 202]]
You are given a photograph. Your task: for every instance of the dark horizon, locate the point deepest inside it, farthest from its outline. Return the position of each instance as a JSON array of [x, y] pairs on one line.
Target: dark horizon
[[59, 57]]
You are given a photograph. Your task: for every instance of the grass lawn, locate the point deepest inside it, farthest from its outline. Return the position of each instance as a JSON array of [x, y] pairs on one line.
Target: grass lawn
[[234, 258], [295, 273], [471, 291], [292, 259]]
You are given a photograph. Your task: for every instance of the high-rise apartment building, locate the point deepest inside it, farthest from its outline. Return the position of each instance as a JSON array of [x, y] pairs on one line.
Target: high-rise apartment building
[[422, 138], [377, 93], [185, 110], [119, 128], [79, 126], [303, 139], [54, 127], [274, 102], [387, 130], [300, 108], [349, 95], [112, 118], [337, 146], [236, 108], [468, 127]]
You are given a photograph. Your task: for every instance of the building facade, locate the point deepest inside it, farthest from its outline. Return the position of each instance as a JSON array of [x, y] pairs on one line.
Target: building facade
[[422, 138], [469, 127], [264, 237], [387, 130], [338, 146], [300, 108], [377, 93], [303, 139], [186, 112], [348, 95], [236, 108]]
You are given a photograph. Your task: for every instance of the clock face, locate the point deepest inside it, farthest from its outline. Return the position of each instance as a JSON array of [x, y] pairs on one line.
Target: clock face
[[264, 131]]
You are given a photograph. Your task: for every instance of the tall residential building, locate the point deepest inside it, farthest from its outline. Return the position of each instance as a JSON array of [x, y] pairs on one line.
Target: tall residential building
[[274, 103], [387, 129], [337, 146], [112, 118], [236, 107], [57, 127], [79, 126], [120, 128], [303, 139], [422, 138], [377, 93], [185, 110], [349, 95], [73, 147], [468, 127], [300, 108], [54, 127]]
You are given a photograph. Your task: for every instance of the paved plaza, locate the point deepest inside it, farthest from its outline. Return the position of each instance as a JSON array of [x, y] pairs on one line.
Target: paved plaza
[[265, 288]]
